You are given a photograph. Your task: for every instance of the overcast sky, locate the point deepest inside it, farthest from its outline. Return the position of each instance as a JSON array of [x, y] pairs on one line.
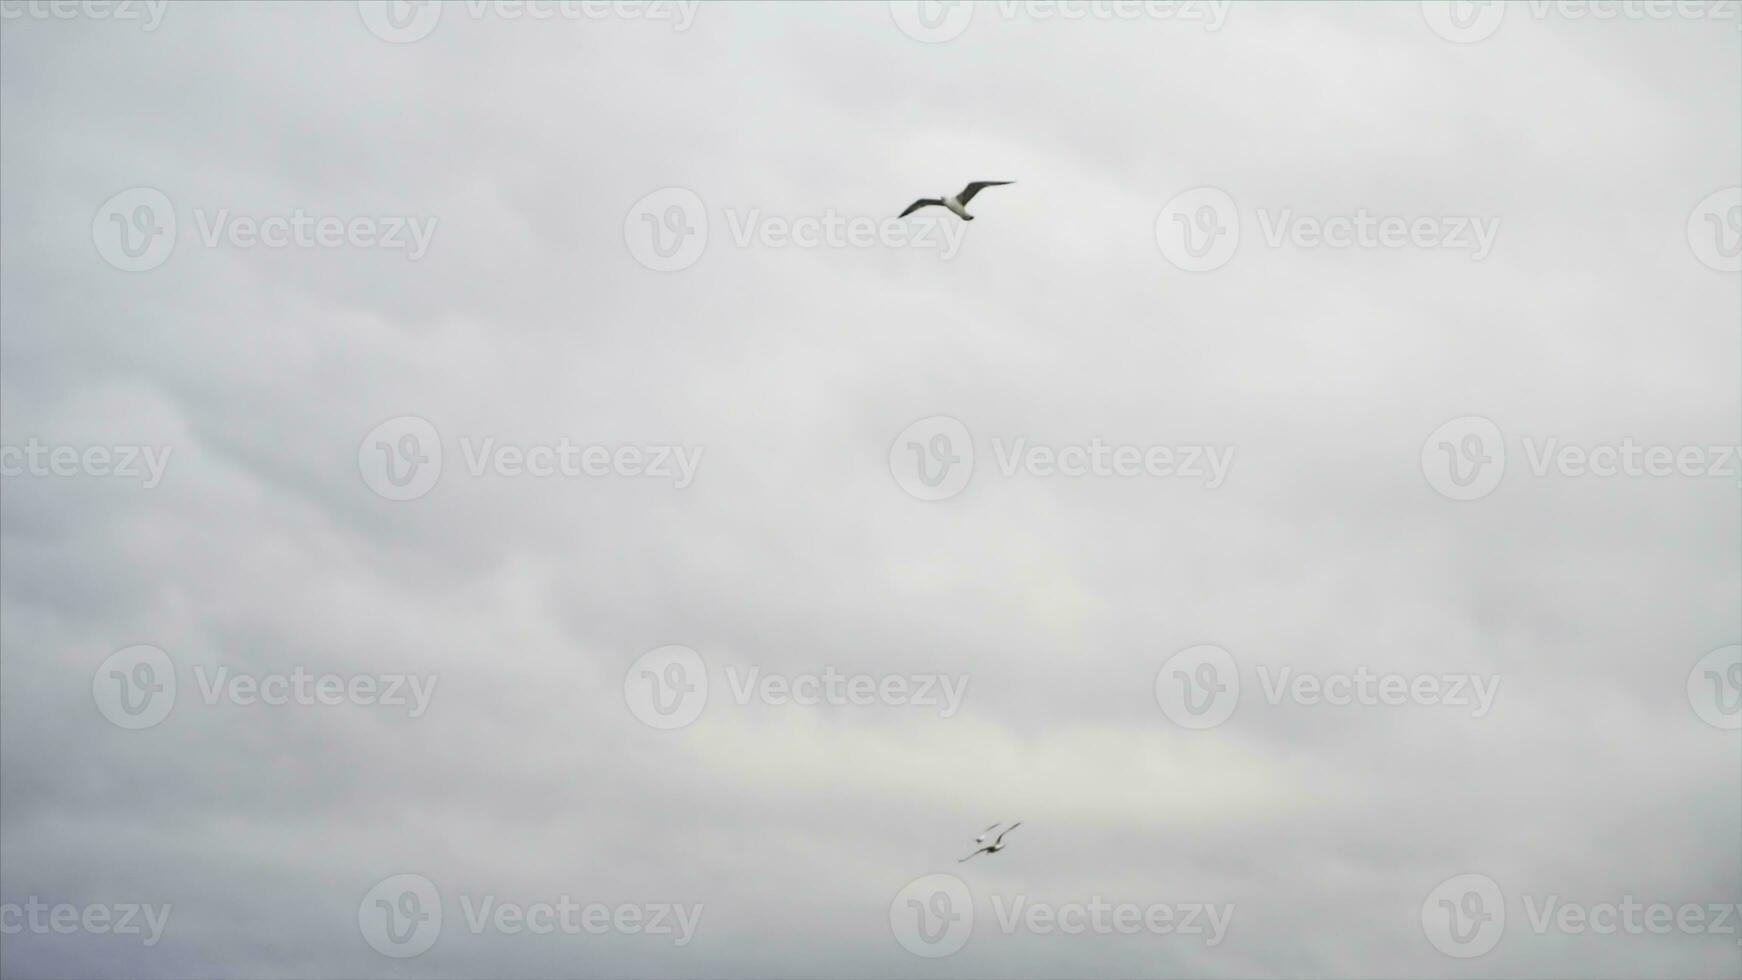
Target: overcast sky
[[1310, 298]]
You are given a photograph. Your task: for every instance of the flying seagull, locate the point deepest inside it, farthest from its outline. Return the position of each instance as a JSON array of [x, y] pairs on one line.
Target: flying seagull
[[985, 833], [958, 204], [995, 846]]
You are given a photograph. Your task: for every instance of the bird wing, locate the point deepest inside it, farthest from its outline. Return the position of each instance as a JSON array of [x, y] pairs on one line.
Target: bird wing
[[915, 206], [1008, 830], [969, 191], [983, 850]]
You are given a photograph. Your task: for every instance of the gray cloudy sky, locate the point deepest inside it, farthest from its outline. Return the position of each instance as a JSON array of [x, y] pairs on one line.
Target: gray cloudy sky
[[1306, 499]]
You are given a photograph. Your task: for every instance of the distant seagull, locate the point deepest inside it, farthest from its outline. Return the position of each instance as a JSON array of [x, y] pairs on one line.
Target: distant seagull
[[958, 204], [995, 846], [985, 834]]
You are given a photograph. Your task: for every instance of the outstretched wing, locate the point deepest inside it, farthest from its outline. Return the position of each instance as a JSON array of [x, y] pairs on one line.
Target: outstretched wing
[[983, 850], [915, 206], [982, 838], [1008, 830], [969, 191]]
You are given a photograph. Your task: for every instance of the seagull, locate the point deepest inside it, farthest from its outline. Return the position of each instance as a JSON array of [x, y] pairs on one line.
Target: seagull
[[985, 834], [958, 204], [995, 846]]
